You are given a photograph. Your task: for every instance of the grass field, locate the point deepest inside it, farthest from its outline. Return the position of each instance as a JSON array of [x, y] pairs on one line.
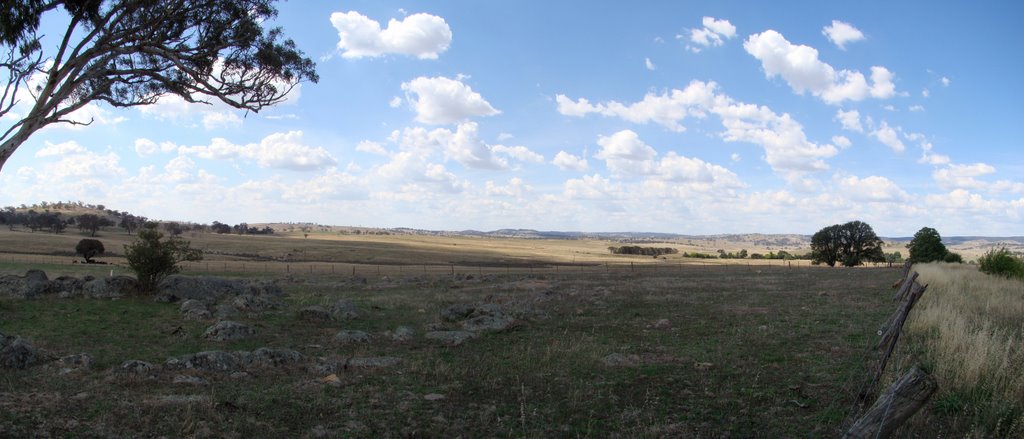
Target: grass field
[[767, 352]]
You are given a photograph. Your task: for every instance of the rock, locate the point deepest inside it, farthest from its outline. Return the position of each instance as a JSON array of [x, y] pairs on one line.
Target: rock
[[209, 361], [193, 309], [450, 338], [661, 324], [457, 312], [620, 360], [190, 380], [67, 286], [225, 311], [349, 336], [331, 380], [315, 314], [487, 323], [269, 357], [105, 288], [252, 303], [17, 353], [33, 284], [344, 309], [433, 397], [74, 362], [402, 333], [138, 367], [192, 304], [370, 362], [211, 289], [227, 330]]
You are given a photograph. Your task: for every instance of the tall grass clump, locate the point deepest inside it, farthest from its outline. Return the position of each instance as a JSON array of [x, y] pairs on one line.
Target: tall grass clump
[[1002, 263], [969, 328]]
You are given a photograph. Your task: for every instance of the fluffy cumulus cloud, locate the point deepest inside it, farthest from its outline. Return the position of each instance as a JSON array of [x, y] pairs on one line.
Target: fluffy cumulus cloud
[[955, 176], [145, 147], [625, 154], [800, 67], [714, 33], [566, 161], [279, 150], [889, 136], [840, 33], [787, 148], [60, 149], [871, 189], [421, 35], [442, 101], [515, 188], [463, 145], [850, 120]]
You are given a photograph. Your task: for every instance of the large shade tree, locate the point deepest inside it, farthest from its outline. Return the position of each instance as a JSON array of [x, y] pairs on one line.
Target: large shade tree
[[850, 244], [127, 53]]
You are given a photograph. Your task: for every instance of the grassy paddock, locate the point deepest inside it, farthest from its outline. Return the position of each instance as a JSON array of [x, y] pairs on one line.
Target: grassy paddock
[[746, 353], [967, 328]]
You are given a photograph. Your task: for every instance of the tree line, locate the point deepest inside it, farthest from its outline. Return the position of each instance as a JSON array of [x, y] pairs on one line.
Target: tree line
[[642, 251], [58, 217]]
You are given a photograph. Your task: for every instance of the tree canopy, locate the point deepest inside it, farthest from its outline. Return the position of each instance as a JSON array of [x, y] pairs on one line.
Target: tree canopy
[[927, 246], [89, 248], [153, 258], [850, 244], [128, 53]]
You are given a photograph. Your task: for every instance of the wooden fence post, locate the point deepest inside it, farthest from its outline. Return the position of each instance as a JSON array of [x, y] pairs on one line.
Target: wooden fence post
[[897, 404]]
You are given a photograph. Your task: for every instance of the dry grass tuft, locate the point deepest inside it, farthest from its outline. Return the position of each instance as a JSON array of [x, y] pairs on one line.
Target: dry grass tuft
[[969, 327]]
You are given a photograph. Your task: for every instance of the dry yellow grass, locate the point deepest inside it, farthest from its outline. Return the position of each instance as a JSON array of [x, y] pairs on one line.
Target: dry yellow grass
[[970, 327]]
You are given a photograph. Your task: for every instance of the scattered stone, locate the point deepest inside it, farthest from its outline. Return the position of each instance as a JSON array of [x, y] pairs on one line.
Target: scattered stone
[[71, 363], [179, 400], [193, 309], [371, 362], [211, 289], [331, 380], [349, 336], [661, 324], [210, 361], [402, 333], [269, 357], [620, 360], [344, 309], [67, 286], [457, 312], [703, 366], [138, 367], [227, 330], [106, 288], [450, 338], [17, 353], [190, 380], [225, 311], [33, 284], [315, 313], [252, 303], [433, 397], [487, 323]]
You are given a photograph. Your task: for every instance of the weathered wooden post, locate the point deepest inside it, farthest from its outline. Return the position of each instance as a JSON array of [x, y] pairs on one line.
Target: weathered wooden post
[[897, 404]]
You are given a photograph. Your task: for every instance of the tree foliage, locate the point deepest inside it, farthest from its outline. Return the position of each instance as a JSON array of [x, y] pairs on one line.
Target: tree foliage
[[128, 53], [1001, 262], [92, 223], [153, 258], [850, 244], [89, 248], [927, 246], [643, 251]]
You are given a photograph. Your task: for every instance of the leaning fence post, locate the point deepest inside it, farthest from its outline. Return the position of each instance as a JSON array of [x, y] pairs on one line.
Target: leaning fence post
[[897, 404]]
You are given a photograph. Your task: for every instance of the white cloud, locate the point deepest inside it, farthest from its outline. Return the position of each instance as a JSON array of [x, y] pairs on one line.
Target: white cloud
[[735, 157], [515, 189], [145, 147], [800, 67], [916, 108], [842, 141], [277, 150], [840, 33], [786, 146], [504, 136], [712, 34], [61, 149], [520, 153], [625, 154], [566, 161], [872, 189], [850, 120], [650, 65], [925, 93], [592, 187], [441, 101], [945, 81], [221, 119], [956, 176], [86, 165], [371, 148], [421, 35], [889, 137], [395, 102], [928, 157]]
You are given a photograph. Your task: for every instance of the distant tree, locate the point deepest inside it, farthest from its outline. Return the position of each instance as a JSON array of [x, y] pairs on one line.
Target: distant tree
[[131, 52], [129, 223], [927, 246], [173, 228], [220, 228], [92, 223], [153, 259], [1001, 262], [89, 248], [850, 244]]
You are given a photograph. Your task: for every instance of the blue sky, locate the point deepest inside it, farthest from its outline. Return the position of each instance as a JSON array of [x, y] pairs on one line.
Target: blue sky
[[684, 117]]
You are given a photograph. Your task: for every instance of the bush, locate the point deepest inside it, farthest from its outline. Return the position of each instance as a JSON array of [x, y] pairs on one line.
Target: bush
[[1001, 263], [89, 248], [153, 259], [953, 258]]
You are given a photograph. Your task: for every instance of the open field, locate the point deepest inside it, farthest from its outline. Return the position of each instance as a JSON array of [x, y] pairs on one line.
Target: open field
[[769, 353]]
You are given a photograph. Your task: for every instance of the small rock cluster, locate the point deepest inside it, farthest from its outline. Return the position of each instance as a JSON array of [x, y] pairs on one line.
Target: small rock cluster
[[17, 353], [35, 284]]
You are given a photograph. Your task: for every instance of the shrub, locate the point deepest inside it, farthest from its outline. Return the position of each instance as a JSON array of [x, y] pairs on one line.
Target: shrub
[[1001, 263], [153, 259], [89, 248]]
